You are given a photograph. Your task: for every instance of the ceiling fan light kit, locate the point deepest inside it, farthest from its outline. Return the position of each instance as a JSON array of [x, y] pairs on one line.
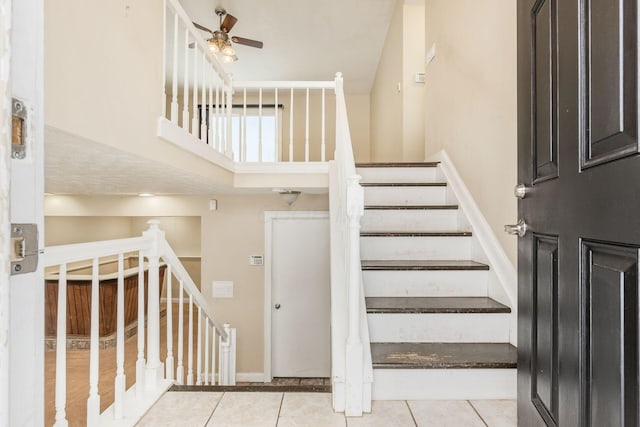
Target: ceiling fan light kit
[[219, 41]]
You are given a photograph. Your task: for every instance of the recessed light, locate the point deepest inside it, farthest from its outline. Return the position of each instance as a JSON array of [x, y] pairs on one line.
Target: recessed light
[[146, 194]]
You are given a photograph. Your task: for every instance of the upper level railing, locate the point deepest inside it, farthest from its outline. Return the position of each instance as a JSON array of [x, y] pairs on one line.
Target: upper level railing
[[243, 122], [153, 376]]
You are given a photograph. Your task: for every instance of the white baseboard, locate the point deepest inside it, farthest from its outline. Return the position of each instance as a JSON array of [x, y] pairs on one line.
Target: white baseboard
[[496, 256], [250, 377]]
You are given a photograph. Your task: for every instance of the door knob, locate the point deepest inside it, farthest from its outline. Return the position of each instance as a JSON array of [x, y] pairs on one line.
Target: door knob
[[520, 228], [277, 306], [520, 191]]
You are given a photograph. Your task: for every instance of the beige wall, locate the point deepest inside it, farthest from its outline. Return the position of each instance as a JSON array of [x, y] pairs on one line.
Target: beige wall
[[471, 101], [103, 78], [386, 100], [229, 236], [397, 115]]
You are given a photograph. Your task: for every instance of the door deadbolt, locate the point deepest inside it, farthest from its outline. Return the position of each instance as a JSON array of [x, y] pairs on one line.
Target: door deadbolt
[[520, 191]]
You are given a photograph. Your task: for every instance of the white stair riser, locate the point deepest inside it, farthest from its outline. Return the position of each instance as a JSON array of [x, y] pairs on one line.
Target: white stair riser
[[405, 195], [439, 327], [444, 384], [437, 283], [398, 175], [399, 248], [410, 220]]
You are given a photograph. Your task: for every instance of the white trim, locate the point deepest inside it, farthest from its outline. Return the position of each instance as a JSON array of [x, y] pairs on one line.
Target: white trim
[[250, 377], [283, 168], [500, 263], [330, 84], [269, 217]]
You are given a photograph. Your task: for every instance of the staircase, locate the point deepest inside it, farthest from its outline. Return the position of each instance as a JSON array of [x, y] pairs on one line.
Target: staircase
[[435, 333]]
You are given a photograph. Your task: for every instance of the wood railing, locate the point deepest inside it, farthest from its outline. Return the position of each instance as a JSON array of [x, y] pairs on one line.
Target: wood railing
[[353, 373], [153, 376]]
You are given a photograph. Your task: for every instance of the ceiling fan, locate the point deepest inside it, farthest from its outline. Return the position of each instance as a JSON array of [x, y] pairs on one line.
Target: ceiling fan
[[220, 40]]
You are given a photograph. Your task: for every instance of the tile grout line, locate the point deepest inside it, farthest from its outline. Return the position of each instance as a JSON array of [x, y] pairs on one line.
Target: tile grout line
[[214, 409], [478, 413], [411, 413], [279, 410]]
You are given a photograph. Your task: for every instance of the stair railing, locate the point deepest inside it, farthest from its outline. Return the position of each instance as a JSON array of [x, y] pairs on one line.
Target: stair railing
[[153, 375], [352, 368]]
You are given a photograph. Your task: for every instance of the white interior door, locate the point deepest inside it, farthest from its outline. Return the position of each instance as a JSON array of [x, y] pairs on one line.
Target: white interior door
[[300, 295], [22, 318]]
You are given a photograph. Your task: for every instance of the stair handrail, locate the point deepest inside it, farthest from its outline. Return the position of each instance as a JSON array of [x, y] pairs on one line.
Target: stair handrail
[[353, 374], [153, 376]]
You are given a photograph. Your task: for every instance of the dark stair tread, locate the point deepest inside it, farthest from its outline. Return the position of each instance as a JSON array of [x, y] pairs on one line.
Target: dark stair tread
[[403, 184], [398, 165], [443, 355], [415, 234], [410, 207], [422, 265], [434, 305]]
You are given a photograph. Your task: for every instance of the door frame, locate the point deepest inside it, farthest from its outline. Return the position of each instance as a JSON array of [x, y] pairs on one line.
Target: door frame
[[269, 218]]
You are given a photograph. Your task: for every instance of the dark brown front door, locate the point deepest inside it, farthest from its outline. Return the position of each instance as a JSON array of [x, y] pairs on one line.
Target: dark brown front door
[[578, 262]]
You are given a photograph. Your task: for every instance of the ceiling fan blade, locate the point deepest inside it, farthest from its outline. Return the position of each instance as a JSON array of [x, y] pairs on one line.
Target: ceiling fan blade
[[247, 42], [201, 27], [228, 23]]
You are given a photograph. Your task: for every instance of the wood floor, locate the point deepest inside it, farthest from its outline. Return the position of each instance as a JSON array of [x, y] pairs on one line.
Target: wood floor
[[78, 371]]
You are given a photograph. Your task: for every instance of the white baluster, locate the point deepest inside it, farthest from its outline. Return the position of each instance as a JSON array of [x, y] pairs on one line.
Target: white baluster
[[120, 381], [61, 350], [206, 352], [291, 127], [229, 127], [140, 362], [213, 355], [243, 145], [195, 125], [218, 145], [174, 86], [199, 350], [185, 88], [323, 149], [306, 131], [260, 125], [276, 143], [190, 345], [203, 99], [210, 140], [180, 370], [93, 402], [223, 114], [169, 360], [164, 61]]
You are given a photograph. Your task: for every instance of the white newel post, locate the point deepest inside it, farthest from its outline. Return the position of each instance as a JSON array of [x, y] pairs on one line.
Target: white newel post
[[354, 355], [155, 368], [227, 360]]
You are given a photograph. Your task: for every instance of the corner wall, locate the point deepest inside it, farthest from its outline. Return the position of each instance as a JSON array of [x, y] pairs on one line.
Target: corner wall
[[471, 102]]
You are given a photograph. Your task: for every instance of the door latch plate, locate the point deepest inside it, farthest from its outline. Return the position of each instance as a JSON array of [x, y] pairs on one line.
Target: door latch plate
[[18, 129], [24, 248]]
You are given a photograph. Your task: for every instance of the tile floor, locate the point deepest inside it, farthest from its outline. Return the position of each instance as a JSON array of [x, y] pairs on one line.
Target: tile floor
[[265, 409]]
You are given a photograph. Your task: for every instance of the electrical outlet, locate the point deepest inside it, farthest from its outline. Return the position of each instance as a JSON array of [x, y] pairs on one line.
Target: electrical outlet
[[419, 78]]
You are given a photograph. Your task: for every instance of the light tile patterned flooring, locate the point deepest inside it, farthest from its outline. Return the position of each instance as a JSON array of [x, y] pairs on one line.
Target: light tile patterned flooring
[[266, 409]]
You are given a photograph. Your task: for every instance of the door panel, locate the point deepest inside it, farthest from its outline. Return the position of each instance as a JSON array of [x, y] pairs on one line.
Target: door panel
[[611, 329], [609, 108], [578, 264]]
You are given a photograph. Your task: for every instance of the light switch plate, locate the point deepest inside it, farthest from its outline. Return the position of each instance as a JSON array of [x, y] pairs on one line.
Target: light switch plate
[[222, 289]]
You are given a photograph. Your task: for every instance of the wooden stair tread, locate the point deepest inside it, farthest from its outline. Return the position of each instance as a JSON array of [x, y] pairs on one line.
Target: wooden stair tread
[[415, 234], [422, 265], [398, 165], [443, 355], [403, 184], [397, 305], [410, 207]]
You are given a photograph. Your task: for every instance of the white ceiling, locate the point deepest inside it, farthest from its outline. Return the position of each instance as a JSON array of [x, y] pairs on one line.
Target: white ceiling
[[304, 39]]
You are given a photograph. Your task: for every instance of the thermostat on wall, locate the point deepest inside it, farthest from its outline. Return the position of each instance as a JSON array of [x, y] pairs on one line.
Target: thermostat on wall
[[256, 260]]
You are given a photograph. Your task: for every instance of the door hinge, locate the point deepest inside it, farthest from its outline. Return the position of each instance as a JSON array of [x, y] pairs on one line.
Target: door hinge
[[24, 248], [18, 129]]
